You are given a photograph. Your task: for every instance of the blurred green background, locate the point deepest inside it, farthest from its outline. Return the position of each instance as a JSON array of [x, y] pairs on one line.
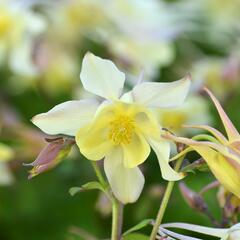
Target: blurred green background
[[42, 208]]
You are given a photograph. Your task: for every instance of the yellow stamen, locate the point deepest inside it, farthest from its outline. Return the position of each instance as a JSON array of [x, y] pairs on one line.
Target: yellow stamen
[[122, 129]]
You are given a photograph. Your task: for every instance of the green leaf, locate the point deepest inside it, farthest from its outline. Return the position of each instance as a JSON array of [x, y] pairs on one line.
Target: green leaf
[[136, 236], [86, 187], [140, 225]]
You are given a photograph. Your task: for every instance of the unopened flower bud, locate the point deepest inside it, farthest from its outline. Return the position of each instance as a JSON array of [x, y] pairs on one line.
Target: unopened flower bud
[[51, 155]]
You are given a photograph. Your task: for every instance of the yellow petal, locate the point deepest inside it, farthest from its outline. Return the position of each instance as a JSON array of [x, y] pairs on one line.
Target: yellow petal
[[126, 183], [229, 127], [212, 130], [5, 152], [147, 124], [136, 152], [93, 140], [162, 150], [226, 170]]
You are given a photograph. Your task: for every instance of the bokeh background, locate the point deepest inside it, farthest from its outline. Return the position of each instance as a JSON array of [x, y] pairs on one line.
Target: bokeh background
[[42, 44]]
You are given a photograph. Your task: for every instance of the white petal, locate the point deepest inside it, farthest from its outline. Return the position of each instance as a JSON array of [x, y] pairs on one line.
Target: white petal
[[126, 183], [66, 118], [101, 77], [176, 235], [162, 95], [162, 150], [216, 232]]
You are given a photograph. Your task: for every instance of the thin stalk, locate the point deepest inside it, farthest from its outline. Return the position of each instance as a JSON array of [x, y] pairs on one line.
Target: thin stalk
[[165, 202], [117, 217], [117, 207], [99, 174]]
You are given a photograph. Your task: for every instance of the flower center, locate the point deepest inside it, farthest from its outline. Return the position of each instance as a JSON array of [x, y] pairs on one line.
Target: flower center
[[122, 129]]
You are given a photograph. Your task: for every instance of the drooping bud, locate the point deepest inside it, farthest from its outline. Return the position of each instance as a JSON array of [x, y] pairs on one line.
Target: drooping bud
[[51, 155], [193, 199]]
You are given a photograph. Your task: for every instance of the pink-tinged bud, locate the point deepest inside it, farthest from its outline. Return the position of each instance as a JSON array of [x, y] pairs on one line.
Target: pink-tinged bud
[[193, 199], [51, 155]]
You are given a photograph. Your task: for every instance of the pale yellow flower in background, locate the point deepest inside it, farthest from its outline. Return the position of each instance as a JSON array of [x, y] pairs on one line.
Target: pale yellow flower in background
[[53, 79], [193, 112], [122, 128], [143, 33], [79, 19], [6, 154]]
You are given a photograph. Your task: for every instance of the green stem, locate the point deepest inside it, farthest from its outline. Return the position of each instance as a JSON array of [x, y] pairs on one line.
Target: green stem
[[98, 173], [205, 137], [165, 201], [117, 216], [117, 207]]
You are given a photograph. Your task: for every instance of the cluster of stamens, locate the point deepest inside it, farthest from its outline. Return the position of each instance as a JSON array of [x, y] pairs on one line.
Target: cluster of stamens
[[122, 129]]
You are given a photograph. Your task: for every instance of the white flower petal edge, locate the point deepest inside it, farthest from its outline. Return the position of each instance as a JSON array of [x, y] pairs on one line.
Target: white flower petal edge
[[176, 235], [160, 95], [126, 183], [101, 77], [66, 118], [162, 150], [222, 233]]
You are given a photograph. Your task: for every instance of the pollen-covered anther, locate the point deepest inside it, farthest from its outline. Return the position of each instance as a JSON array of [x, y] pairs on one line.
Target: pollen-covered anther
[[122, 129]]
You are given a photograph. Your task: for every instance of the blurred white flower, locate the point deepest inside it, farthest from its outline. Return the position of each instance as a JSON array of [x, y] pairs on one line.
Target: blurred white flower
[[19, 26], [71, 21], [174, 119], [218, 21], [143, 33]]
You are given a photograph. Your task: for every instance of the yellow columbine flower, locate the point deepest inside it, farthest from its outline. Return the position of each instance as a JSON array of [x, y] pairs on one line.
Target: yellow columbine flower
[[223, 154], [122, 128]]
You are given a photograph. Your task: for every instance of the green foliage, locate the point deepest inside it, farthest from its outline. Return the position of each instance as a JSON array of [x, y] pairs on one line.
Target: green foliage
[[88, 186], [139, 226], [136, 236]]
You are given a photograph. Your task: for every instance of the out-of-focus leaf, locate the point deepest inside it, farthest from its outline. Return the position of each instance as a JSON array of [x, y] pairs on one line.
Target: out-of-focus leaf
[[88, 186], [140, 225], [136, 236]]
